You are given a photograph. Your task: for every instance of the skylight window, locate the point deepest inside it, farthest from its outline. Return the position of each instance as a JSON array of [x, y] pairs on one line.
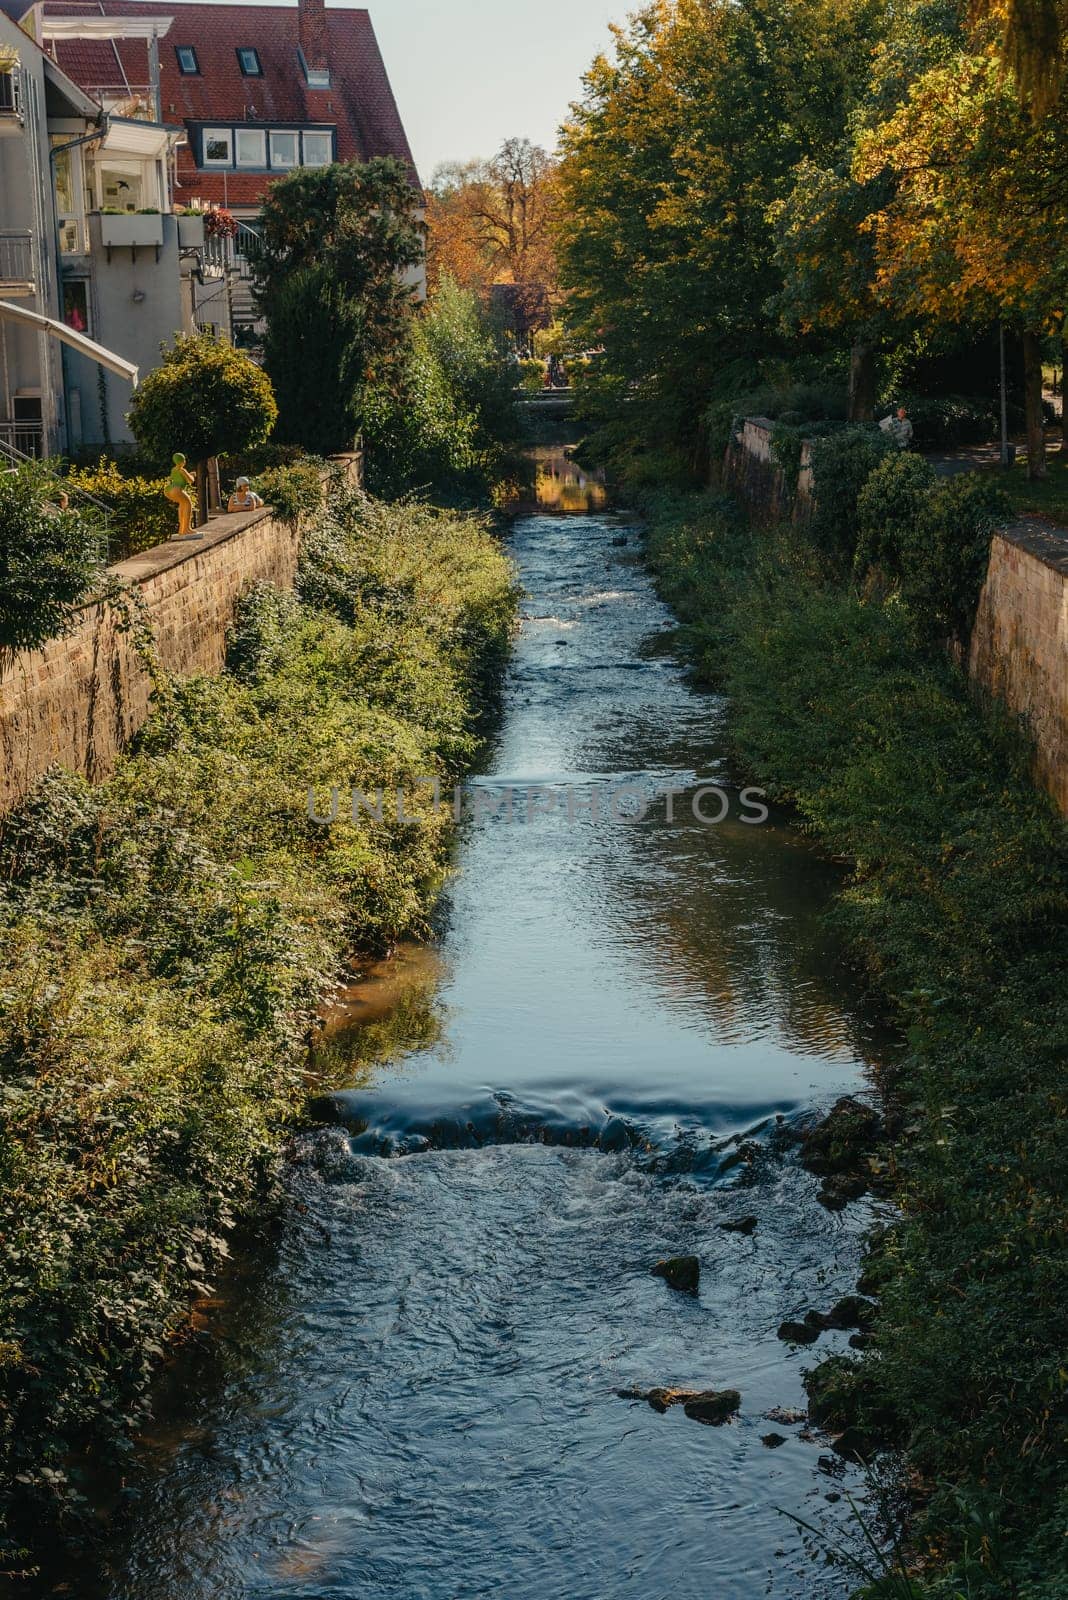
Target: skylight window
[[248, 60], [187, 60]]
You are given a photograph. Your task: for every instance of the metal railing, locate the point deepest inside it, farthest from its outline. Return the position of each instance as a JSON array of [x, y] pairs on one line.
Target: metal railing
[[11, 94], [23, 440], [16, 256]]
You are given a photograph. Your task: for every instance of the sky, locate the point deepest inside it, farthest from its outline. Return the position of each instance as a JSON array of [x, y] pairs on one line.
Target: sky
[[469, 74]]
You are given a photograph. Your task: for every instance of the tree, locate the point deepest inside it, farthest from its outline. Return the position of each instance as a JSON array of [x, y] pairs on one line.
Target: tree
[[206, 399], [977, 227], [49, 559], [330, 280], [491, 229], [682, 143]]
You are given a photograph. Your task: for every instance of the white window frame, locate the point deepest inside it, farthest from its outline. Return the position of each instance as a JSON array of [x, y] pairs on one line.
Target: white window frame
[[317, 134], [261, 154], [285, 133], [218, 133], [256, 70]]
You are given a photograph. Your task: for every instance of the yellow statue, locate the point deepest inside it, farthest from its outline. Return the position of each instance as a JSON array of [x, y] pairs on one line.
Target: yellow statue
[[177, 491]]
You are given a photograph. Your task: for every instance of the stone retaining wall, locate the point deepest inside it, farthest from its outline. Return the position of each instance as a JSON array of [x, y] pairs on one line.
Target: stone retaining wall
[[752, 472], [1019, 648], [79, 700]]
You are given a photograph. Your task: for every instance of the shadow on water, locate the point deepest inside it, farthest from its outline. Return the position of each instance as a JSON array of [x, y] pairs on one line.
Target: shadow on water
[[416, 1392]]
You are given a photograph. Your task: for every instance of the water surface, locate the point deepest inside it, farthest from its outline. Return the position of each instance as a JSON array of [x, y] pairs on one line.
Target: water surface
[[601, 1063]]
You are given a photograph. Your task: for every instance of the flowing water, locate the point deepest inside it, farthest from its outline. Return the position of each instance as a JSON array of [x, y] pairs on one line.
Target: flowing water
[[418, 1395]]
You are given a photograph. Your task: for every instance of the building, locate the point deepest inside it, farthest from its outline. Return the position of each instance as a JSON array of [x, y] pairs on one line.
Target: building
[[259, 91]]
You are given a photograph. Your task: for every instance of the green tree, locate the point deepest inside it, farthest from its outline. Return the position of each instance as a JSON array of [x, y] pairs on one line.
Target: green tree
[[49, 559], [680, 147], [205, 399], [330, 279]]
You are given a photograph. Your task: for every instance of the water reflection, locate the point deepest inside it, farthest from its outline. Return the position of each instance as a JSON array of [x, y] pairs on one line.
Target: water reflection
[[555, 482]]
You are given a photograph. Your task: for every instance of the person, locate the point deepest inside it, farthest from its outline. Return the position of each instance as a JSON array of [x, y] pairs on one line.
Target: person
[[243, 497], [898, 426], [177, 492]]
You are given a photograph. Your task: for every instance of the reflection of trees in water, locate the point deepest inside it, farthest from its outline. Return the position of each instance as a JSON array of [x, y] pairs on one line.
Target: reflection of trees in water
[[738, 913], [559, 484]]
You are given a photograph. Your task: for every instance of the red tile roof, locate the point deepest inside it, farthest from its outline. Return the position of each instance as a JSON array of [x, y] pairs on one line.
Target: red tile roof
[[359, 101]]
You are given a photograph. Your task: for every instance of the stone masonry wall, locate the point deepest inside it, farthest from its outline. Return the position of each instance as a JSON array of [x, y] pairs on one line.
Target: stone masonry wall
[[751, 470], [79, 700], [1019, 648]]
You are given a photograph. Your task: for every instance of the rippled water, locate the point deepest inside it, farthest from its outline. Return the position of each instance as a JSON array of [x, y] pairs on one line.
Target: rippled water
[[418, 1396]]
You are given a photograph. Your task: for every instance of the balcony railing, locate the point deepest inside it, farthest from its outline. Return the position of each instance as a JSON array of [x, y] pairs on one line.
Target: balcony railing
[[16, 259], [11, 95], [134, 101], [22, 438]]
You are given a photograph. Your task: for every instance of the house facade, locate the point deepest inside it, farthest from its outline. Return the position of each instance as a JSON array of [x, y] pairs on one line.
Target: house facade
[[258, 91]]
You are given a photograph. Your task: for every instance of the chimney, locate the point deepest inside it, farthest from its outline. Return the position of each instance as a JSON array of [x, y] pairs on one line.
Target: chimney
[[311, 32]]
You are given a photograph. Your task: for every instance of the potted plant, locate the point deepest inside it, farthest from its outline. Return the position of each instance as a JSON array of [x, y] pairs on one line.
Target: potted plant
[[220, 224], [190, 229]]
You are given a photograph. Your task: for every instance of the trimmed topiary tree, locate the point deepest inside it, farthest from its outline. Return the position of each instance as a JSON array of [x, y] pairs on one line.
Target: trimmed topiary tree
[[206, 399]]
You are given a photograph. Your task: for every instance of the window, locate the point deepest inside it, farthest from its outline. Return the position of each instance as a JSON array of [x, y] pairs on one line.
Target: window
[[76, 304], [187, 59], [284, 150], [249, 62], [251, 147], [314, 77], [318, 149], [218, 147]]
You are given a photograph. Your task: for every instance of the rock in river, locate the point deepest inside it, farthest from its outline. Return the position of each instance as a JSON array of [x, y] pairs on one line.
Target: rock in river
[[746, 1225], [712, 1406], [679, 1272]]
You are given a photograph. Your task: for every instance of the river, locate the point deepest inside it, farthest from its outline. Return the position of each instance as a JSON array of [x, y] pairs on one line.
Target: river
[[417, 1394]]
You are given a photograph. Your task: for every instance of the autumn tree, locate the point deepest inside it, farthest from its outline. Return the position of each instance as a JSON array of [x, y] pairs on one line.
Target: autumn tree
[[490, 226], [977, 228], [685, 138]]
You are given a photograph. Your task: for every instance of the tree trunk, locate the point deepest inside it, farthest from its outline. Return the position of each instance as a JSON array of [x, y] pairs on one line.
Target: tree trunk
[[1036, 438], [861, 406], [202, 493], [214, 496]]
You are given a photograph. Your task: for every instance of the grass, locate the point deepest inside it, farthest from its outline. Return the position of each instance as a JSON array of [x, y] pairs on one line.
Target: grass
[[165, 940], [1045, 497], [958, 907]]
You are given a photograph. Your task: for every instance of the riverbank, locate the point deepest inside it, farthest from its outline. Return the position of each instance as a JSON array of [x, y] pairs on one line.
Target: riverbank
[[167, 938], [957, 906]]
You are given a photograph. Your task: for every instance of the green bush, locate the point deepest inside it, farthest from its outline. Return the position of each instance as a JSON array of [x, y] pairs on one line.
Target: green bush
[[532, 376], [139, 516], [49, 560], [841, 465], [205, 399], [942, 422], [165, 940], [889, 508], [296, 490]]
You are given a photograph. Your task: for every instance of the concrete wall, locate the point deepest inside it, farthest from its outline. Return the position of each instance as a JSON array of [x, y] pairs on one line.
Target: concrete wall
[[79, 700], [137, 305], [752, 472], [1019, 648]]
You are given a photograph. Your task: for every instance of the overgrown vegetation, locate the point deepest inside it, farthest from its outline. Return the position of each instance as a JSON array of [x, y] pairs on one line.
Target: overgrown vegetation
[[49, 560], [848, 708], [167, 935]]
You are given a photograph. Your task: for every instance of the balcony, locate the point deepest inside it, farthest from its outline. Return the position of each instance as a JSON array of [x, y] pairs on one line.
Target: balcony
[[22, 439], [129, 230], [10, 100], [17, 276]]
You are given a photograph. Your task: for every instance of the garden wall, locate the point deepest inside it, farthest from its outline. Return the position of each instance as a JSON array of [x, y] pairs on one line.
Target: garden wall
[[1019, 649], [79, 700], [752, 472]]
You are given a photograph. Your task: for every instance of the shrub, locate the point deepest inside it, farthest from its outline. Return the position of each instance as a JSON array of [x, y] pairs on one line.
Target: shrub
[[49, 560], [889, 508], [532, 376], [841, 465], [294, 491], [941, 422], [944, 563], [206, 399], [139, 516]]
